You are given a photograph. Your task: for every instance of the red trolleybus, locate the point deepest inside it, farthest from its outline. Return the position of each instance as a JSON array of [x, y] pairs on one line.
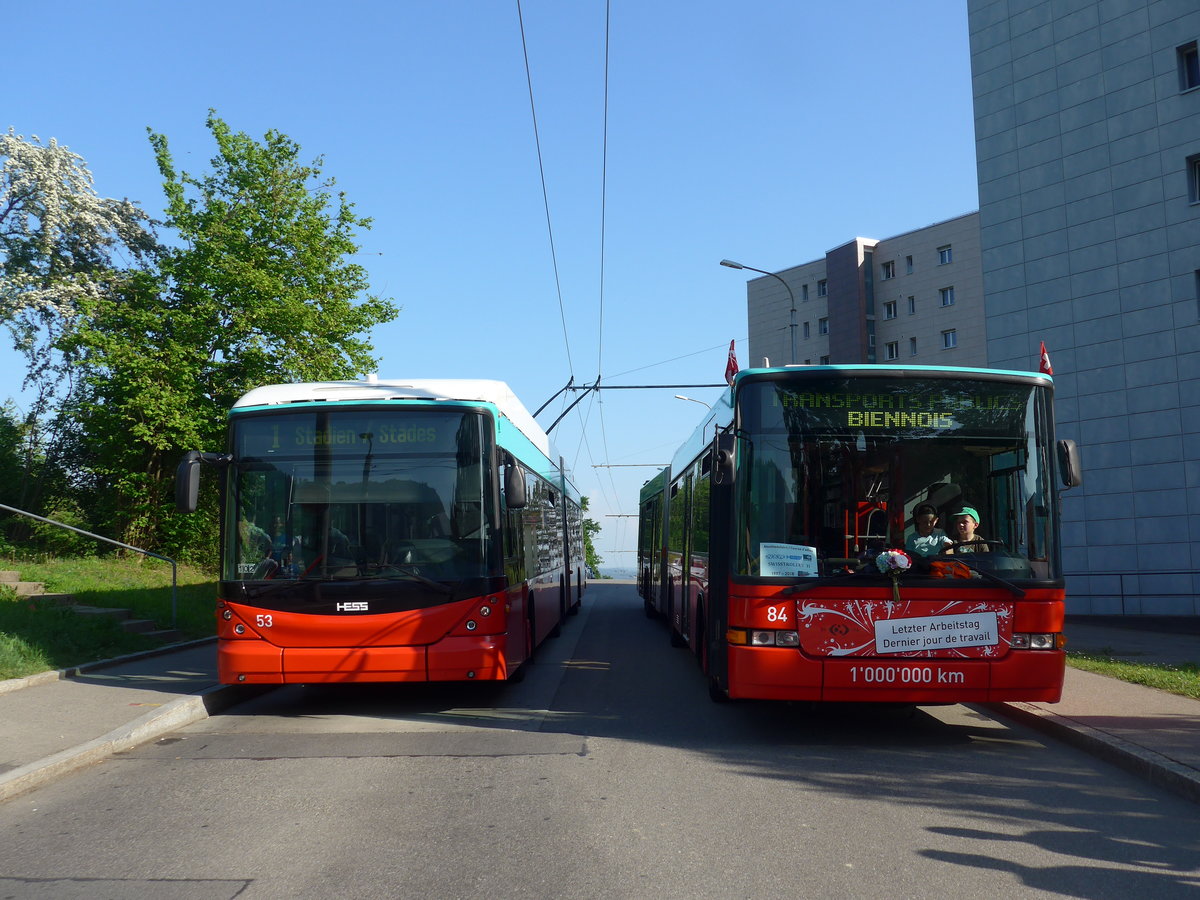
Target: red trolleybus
[[387, 531], [781, 544]]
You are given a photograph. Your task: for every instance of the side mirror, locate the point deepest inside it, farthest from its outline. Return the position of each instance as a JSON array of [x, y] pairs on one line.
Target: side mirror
[[187, 477], [514, 485], [187, 482], [1069, 467], [723, 460]]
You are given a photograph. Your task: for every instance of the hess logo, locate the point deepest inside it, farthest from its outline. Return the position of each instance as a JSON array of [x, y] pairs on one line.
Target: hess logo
[[353, 606], [839, 628]]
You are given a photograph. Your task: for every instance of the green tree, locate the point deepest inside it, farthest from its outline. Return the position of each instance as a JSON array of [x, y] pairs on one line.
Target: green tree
[[58, 242], [260, 289], [591, 528]]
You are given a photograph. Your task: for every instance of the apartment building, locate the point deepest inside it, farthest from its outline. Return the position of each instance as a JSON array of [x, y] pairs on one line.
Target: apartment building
[[1087, 124], [916, 298]]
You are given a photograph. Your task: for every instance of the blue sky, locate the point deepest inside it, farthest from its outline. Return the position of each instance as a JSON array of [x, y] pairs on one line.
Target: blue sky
[[766, 132]]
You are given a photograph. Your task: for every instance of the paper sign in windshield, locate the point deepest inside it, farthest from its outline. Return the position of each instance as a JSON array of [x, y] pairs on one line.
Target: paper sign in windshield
[[936, 632], [788, 560]]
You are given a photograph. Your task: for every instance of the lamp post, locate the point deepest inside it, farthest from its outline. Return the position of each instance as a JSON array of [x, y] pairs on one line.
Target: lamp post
[[693, 399], [729, 263]]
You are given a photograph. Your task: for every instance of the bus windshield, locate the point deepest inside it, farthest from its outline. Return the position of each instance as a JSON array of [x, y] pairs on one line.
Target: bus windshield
[[833, 471], [361, 493]]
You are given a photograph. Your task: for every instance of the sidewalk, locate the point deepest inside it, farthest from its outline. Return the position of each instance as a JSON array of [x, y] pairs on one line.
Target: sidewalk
[[57, 722], [1150, 733]]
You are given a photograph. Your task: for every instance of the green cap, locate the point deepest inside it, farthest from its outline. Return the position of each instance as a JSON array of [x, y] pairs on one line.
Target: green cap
[[969, 511]]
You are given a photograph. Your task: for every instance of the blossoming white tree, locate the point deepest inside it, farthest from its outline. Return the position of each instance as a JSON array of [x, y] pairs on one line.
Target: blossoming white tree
[[58, 244], [58, 239]]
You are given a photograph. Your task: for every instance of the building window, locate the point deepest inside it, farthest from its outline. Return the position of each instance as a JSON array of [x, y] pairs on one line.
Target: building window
[[823, 326], [1193, 169], [803, 292], [889, 270], [807, 335], [822, 288], [824, 360], [949, 339], [1189, 66], [908, 265], [912, 306], [912, 346], [891, 350], [889, 309], [947, 296], [945, 255]]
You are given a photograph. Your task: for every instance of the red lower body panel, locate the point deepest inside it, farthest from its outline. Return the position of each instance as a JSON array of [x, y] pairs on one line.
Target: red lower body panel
[[451, 659], [785, 673]]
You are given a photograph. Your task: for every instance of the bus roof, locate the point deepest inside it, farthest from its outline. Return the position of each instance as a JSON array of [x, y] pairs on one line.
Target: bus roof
[[895, 369], [497, 393], [720, 415]]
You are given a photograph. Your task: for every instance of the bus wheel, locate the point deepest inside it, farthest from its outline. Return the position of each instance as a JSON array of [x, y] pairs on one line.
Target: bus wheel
[[716, 693], [676, 638]]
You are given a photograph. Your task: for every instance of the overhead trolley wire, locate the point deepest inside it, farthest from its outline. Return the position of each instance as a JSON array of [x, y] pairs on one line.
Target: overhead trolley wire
[[545, 193]]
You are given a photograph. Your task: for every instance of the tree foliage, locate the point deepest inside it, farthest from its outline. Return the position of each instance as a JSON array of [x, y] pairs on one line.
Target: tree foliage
[[59, 246], [258, 286], [591, 528]]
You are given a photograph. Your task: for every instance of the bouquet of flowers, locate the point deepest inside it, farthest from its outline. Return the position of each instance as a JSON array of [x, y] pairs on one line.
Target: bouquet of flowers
[[894, 563]]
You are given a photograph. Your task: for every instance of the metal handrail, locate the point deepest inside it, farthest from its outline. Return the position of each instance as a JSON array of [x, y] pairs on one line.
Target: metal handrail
[[100, 537]]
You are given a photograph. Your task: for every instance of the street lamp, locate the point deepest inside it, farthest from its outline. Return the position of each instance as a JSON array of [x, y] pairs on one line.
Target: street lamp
[[693, 399], [729, 263]]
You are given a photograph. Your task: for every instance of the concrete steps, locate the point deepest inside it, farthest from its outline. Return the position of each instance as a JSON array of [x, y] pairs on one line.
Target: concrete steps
[[123, 617]]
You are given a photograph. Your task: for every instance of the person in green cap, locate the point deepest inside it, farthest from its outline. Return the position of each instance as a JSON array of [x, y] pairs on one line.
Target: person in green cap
[[962, 531]]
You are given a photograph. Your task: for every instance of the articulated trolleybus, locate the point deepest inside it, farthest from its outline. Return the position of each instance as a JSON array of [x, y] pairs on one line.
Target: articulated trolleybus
[[387, 531], [866, 533]]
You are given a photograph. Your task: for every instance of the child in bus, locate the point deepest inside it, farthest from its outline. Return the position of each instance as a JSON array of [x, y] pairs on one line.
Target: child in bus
[[962, 528], [927, 540]]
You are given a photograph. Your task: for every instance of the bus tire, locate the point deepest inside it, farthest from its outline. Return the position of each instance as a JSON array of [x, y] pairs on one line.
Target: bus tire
[[716, 693], [676, 638]]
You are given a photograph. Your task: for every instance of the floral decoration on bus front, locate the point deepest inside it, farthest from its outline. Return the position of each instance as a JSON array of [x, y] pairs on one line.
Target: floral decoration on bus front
[[919, 628]]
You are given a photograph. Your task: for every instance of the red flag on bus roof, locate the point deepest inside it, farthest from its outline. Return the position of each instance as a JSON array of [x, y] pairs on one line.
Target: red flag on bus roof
[[1044, 365], [731, 367]]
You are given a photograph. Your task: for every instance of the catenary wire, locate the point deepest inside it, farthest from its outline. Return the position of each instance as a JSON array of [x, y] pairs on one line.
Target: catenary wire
[[545, 193]]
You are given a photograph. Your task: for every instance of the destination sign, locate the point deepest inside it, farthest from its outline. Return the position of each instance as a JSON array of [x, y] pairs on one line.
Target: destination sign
[[352, 433], [899, 405]]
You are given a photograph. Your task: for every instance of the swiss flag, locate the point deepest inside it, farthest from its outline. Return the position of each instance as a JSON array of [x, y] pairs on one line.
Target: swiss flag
[[731, 367], [1044, 364]]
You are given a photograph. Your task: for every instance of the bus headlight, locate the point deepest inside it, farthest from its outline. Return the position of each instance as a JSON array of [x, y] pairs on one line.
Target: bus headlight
[[765, 638], [1037, 641]]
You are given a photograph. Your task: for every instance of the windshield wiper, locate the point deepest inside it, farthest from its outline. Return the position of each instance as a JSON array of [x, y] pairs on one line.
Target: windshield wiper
[[412, 573]]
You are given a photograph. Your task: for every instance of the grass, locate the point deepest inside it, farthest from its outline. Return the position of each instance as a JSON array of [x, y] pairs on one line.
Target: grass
[[1182, 679], [37, 634]]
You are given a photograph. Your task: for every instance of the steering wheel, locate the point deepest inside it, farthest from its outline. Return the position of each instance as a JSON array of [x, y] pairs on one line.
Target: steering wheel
[[954, 546]]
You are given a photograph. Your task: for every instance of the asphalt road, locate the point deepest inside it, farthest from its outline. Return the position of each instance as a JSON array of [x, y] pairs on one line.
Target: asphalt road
[[606, 773]]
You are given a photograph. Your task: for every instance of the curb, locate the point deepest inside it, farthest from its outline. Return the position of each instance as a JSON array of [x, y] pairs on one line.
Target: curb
[[1159, 770], [16, 684], [176, 714]]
